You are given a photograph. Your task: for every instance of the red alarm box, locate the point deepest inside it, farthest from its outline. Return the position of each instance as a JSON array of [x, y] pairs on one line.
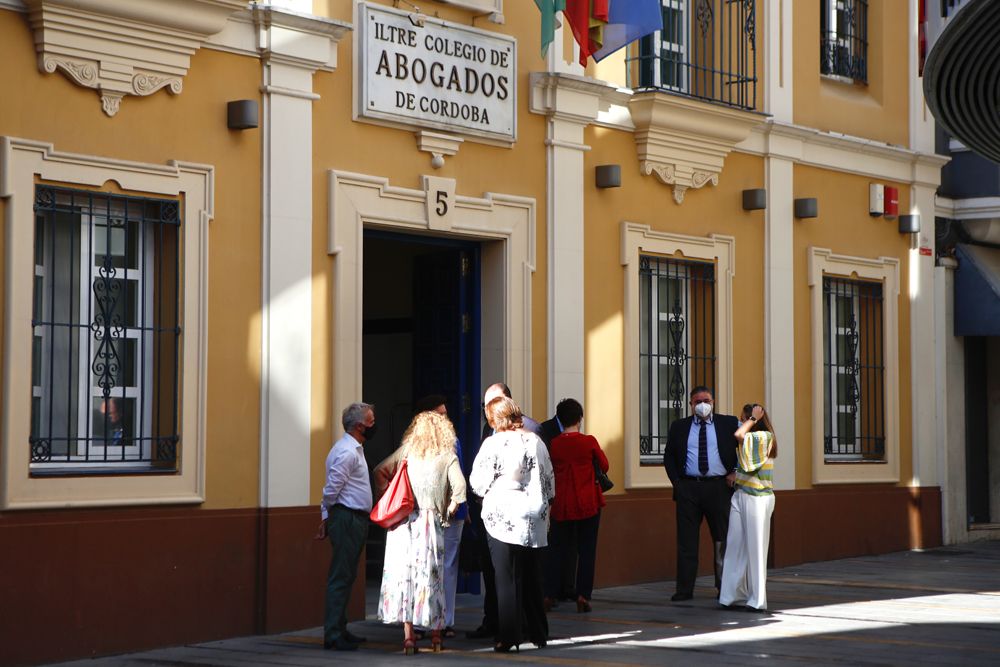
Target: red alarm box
[[891, 202]]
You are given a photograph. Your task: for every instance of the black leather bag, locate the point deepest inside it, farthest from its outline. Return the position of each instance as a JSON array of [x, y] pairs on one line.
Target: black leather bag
[[601, 478]]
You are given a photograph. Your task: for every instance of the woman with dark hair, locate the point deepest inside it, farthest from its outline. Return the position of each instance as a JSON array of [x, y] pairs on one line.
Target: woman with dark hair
[[513, 475], [576, 512], [744, 573]]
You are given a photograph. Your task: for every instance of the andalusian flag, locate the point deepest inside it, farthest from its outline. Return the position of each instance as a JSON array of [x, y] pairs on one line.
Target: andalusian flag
[[628, 20], [549, 9]]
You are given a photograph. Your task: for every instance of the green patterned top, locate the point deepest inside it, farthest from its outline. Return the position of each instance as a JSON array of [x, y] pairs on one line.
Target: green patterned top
[[754, 470]]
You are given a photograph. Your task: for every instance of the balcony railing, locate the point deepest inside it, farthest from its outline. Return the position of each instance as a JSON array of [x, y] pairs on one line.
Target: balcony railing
[[707, 50]]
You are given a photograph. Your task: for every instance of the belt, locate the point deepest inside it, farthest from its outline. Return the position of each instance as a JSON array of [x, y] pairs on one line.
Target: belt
[[350, 509], [703, 479]]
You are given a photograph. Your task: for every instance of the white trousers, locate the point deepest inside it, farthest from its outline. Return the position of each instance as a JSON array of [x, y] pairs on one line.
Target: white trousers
[[744, 573], [452, 538]]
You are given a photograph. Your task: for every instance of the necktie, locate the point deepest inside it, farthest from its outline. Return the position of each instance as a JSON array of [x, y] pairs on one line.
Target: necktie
[[703, 448]]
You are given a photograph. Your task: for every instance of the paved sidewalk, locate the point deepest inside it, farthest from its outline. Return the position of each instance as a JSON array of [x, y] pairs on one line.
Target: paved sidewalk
[[937, 607]]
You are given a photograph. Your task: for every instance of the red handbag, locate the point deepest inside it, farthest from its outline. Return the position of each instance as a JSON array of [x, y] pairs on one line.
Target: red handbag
[[397, 502]]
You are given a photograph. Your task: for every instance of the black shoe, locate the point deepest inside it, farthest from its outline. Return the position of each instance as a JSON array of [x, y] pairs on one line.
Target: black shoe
[[681, 597], [754, 610], [341, 644], [482, 632], [540, 643], [506, 648], [351, 637]]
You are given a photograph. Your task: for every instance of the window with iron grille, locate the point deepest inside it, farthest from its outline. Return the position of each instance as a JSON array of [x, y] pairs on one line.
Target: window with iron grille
[[676, 347], [706, 50], [844, 39], [854, 370], [106, 333]]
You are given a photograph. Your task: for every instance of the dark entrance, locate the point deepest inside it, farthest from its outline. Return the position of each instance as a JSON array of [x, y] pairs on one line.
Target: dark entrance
[[420, 336]]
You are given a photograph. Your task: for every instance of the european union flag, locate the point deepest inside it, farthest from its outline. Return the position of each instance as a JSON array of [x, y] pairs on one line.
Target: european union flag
[[628, 21]]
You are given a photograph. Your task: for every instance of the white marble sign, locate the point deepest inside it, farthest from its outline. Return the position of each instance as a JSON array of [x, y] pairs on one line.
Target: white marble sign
[[438, 74]]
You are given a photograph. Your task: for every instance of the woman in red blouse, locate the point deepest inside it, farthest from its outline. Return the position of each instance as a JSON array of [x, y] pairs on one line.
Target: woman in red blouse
[[576, 510]]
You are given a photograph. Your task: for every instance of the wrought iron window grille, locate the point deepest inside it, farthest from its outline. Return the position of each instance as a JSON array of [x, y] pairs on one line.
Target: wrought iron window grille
[[106, 333], [676, 347], [844, 39], [706, 50], [854, 371]]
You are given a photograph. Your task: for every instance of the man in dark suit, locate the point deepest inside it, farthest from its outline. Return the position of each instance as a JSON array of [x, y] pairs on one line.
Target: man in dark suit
[[488, 628], [700, 458]]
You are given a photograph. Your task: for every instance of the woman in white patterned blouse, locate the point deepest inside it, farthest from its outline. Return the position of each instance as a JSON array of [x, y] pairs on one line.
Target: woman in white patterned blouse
[[513, 475]]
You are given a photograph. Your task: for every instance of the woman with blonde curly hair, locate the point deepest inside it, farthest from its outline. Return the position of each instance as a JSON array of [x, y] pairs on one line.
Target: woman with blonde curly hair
[[413, 587]]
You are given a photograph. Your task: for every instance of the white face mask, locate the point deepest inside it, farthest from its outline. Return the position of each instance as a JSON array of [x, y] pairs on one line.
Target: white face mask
[[703, 410]]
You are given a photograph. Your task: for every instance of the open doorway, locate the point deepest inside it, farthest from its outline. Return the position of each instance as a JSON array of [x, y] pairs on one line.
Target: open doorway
[[421, 333]]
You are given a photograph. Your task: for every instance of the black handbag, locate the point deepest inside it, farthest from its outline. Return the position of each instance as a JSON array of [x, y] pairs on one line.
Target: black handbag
[[601, 478]]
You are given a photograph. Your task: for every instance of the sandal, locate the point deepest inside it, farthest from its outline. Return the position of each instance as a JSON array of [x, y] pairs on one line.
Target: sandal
[[448, 633], [436, 645], [409, 646]]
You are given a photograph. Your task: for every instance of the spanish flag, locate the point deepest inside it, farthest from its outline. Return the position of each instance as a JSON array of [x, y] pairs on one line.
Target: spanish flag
[[587, 19]]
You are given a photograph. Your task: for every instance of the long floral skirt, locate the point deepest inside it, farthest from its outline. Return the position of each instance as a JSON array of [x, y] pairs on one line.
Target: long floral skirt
[[413, 578]]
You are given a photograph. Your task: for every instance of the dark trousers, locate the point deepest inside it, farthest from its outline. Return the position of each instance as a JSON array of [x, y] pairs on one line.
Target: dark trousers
[[520, 604], [572, 548], [346, 531], [697, 500], [486, 562]]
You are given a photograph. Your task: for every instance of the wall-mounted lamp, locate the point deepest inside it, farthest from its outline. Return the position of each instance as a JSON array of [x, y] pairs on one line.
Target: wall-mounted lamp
[[608, 176], [806, 208], [754, 200], [241, 115], [909, 224]]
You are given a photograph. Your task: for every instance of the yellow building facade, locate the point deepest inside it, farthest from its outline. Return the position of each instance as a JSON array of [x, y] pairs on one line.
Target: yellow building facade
[[408, 202]]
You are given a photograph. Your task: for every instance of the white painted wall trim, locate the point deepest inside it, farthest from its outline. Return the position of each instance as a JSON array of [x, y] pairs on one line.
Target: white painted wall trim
[[637, 239], [570, 103], [292, 47], [21, 162], [359, 201], [779, 28], [779, 306], [823, 262]]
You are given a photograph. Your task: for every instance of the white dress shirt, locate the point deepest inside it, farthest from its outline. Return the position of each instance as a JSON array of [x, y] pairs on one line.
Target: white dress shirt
[[513, 475], [347, 481]]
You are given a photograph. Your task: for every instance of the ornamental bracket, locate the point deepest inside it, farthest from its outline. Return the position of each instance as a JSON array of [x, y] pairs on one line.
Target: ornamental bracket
[[684, 142], [119, 47]]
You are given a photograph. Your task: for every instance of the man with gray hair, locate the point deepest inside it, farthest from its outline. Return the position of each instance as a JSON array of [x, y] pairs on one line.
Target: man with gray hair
[[347, 501]]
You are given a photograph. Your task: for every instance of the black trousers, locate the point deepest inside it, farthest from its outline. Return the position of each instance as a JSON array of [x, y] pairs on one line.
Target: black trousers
[[520, 604], [697, 500], [486, 561], [572, 548]]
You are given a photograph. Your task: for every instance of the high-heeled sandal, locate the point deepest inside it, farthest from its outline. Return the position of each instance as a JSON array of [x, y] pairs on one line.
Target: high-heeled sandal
[[436, 645], [409, 646], [501, 647], [582, 605]]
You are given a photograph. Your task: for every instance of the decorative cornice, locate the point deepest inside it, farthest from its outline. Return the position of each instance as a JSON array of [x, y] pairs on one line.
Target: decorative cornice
[[684, 142], [300, 40], [573, 98], [124, 47]]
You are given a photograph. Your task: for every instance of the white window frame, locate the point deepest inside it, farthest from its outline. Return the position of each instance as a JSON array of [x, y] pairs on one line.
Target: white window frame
[[142, 424], [835, 332], [636, 240], [22, 163], [824, 262], [661, 44]]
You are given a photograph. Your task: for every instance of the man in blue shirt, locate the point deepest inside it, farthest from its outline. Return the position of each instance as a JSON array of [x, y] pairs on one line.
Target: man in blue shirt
[[700, 458]]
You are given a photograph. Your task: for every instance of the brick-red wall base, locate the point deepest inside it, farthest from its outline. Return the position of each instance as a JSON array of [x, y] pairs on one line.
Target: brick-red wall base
[[82, 583]]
